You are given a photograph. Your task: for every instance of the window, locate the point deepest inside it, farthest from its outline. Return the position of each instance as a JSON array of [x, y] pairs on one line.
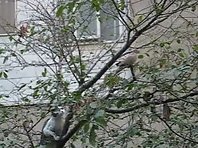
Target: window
[[109, 24], [103, 25], [87, 22], [7, 16]]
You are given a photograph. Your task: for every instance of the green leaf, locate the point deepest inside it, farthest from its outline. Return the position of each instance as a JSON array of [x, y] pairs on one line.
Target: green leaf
[[2, 50], [100, 113], [162, 44], [196, 34], [165, 44], [140, 56], [10, 38], [96, 4], [45, 88], [25, 99], [132, 131], [43, 114], [162, 62], [83, 67], [5, 59], [72, 22], [32, 29], [60, 10], [193, 8], [71, 6], [111, 80], [182, 54], [35, 94], [22, 51], [180, 49], [122, 4], [44, 73], [72, 145], [13, 54], [140, 18], [120, 103], [93, 105], [158, 9], [101, 121], [22, 86], [195, 48], [5, 75], [86, 127], [178, 41], [76, 95], [92, 136]]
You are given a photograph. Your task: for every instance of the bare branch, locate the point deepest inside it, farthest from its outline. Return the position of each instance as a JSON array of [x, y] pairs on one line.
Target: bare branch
[[121, 111]]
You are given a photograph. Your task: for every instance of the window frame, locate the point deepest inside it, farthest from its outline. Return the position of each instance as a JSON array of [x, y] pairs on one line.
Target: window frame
[[13, 29], [99, 32]]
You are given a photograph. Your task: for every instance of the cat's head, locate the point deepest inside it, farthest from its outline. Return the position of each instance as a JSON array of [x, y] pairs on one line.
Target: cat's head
[[58, 111]]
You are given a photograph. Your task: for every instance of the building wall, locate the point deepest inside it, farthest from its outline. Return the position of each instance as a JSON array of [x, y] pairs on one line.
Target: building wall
[[18, 74]]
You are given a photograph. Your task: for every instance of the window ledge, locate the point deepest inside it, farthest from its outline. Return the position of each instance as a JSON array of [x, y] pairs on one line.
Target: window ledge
[[7, 34]]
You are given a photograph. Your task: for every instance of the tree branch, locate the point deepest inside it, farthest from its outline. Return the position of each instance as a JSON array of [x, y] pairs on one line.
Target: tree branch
[[62, 142], [108, 64], [170, 128], [28, 135], [121, 111], [131, 40]]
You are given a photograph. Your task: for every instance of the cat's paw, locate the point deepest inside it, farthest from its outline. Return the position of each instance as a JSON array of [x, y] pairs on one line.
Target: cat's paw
[[56, 138]]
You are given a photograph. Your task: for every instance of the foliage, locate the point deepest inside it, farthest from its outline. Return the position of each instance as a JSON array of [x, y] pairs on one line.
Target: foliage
[[159, 109]]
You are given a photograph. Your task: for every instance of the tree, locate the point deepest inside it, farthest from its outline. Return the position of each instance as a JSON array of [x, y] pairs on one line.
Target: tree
[[157, 109]]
